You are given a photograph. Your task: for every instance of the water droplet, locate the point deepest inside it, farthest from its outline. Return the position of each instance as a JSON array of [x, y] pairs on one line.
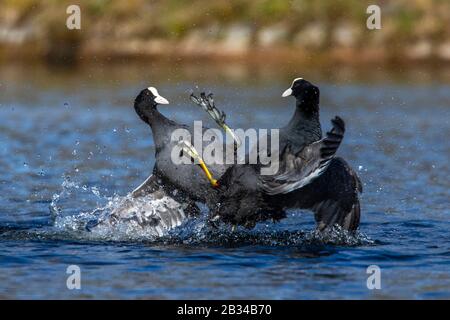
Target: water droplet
[[95, 191]]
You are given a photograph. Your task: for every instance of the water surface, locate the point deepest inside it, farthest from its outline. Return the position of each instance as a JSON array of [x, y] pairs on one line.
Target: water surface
[[78, 125]]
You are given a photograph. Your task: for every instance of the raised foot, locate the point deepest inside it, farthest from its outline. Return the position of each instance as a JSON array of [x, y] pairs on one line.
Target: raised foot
[[206, 102]]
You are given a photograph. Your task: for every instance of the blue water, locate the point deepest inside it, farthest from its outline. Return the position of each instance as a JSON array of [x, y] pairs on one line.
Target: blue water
[[71, 139]]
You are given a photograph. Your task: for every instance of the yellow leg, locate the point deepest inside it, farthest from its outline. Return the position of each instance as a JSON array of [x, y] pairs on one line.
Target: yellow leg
[[235, 138], [189, 148], [208, 174]]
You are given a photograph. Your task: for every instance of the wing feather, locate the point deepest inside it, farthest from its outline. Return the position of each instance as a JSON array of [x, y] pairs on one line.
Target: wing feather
[[303, 167]]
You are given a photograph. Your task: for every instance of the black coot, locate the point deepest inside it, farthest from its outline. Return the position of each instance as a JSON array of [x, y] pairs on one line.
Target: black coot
[[309, 176], [185, 183]]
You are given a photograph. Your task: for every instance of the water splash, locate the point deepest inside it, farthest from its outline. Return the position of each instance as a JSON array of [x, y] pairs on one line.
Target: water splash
[[225, 236], [144, 219], [115, 217]]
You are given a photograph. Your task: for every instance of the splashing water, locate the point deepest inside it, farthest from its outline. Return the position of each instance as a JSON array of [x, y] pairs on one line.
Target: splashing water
[[156, 219], [268, 262], [115, 217]]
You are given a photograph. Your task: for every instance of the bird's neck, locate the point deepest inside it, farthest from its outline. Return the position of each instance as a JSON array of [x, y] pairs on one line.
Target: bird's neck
[[159, 123], [306, 120], [156, 120]]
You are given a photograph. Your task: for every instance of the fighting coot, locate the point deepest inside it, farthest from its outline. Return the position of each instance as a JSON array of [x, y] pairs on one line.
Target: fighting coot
[[309, 176]]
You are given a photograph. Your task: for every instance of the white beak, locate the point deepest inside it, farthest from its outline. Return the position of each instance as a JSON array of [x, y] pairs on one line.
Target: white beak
[[161, 100], [158, 98], [287, 93]]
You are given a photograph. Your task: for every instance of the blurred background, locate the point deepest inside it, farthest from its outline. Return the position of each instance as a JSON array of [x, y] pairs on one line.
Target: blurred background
[[308, 31], [69, 138]]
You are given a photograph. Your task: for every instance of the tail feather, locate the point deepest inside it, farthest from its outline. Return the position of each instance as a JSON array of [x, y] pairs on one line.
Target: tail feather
[[329, 212]]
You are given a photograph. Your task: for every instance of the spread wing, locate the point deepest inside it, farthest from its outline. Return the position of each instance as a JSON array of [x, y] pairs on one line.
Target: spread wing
[[150, 207], [299, 169], [151, 184]]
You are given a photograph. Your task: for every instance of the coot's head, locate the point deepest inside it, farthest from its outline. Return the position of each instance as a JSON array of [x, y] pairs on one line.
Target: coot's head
[[304, 91], [146, 102]]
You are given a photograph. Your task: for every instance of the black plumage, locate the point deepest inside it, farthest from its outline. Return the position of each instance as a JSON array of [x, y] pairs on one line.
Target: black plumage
[[184, 182], [309, 176]]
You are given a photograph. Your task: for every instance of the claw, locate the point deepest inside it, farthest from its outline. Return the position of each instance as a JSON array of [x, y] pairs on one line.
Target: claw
[[194, 99], [206, 102], [189, 149]]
